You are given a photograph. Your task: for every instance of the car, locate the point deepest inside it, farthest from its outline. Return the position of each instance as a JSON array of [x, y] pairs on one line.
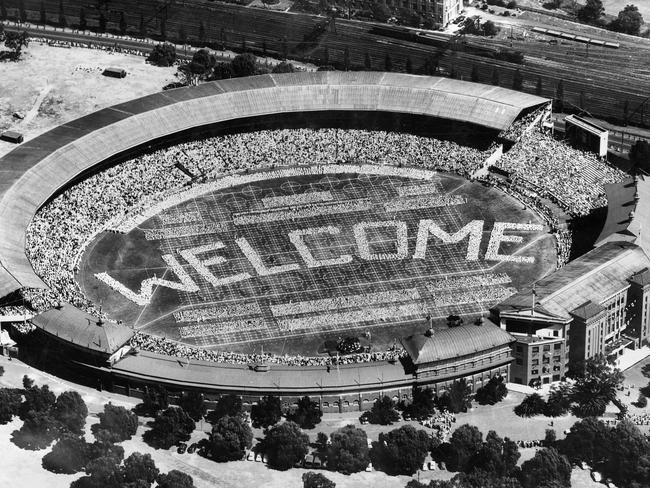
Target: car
[[182, 447], [369, 468], [193, 447], [250, 456]]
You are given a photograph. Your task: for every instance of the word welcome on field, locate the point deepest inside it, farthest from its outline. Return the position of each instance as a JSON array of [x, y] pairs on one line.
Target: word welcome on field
[[472, 231]]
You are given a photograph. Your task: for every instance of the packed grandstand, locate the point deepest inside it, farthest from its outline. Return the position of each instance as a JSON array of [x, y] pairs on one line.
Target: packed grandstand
[[537, 164]]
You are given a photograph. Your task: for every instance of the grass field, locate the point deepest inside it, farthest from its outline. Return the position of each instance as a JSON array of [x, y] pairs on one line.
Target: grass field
[[346, 292]]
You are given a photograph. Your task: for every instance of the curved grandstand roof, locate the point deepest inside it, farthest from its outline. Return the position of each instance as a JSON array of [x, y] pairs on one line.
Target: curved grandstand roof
[[628, 210], [34, 172], [455, 342]]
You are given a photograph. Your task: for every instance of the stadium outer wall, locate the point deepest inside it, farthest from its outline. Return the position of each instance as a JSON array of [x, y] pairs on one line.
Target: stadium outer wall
[[40, 168]]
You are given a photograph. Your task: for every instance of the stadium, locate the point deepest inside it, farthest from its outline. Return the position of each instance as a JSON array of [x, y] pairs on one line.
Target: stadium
[[340, 235]]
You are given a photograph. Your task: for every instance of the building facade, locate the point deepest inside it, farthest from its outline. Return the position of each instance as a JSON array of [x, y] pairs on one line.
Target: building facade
[[597, 304]]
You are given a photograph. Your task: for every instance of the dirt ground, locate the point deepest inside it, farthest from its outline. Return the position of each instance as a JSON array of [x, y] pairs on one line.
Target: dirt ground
[[52, 85]]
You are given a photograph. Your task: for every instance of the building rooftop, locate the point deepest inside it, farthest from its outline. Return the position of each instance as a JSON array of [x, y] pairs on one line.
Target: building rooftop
[[594, 277], [77, 327], [455, 342]]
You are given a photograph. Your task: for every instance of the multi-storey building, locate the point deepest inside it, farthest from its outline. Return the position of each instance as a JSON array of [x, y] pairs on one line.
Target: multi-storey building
[[578, 312], [443, 11]]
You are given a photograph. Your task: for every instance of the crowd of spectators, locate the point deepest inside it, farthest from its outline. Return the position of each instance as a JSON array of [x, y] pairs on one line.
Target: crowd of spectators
[[60, 231], [159, 345], [570, 177]]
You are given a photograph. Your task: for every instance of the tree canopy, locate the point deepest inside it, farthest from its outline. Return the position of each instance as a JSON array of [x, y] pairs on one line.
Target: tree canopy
[[382, 412], [194, 404], [170, 427], [400, 451], [71, 410], [422, 404], [348, 450], [458, 398], [116, 424], [175, 479], [230, 405], [547, 467], [307, 414], [530, 406], [595, 387], [285, 444], [267, 412], [229, 440], [492, 392], [10, 401], [316, 480], [163, 55], [629, 21]]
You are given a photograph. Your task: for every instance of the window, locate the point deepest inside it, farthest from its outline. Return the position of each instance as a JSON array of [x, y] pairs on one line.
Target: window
[[535, 362], [556, 377], [556, 333], [547, 347], [557, 346], [546, 360], [557, 359], [534, 371], [535, 349]]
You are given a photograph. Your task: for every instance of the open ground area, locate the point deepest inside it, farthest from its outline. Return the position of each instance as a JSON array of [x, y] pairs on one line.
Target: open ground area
[[52, 85]]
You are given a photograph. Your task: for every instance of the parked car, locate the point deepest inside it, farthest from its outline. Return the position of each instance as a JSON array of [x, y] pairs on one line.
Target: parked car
[[182, 447]]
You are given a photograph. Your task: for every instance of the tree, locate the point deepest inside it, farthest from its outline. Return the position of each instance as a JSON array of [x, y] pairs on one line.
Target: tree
[[629, 460], [388, 63], [160, 55], [592, 11], [37, 399], [550, 438], [641, 401], [422, 405], [230, 405], [116, 423], [400, 451], [464, 444], [492, 392], [175, 479], [316, 480], [490, 28], [123, 24], [10, 401], [595, 387], [170, 427], [71, 410], [629, 21], [475, 76], [83, 23], [16, 41], [140, 467], [244, 65], [548, 466], [495, 76], [267, 412], [307, 414], [193, 403], [348, 452], [69, 455], [382, 412], [285, 444], [284, 67], [588, 440], [380, 11], [458, 398], [640, 155], [229, 440], [559, 400], [37, 432], [530, 406], [367, 62]]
